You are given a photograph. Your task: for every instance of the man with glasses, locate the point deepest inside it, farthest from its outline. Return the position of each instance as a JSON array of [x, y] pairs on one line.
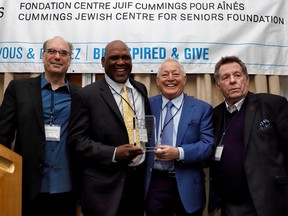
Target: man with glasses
[[37, 111]]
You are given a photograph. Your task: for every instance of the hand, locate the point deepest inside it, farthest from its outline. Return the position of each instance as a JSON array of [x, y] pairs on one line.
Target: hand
[[127, 152], [166, 153]]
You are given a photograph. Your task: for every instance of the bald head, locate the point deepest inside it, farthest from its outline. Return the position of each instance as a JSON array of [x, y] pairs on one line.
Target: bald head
[[117, 61]]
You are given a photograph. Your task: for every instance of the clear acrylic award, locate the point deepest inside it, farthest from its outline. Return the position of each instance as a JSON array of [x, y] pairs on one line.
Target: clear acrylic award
[[145, 129]]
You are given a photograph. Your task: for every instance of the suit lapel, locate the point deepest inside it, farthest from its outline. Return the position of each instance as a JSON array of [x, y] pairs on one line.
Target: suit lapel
[[249, 117], [185, 122], [107, 96], [156, 106], [158, 103], [143, 92], [36, 98], [218, 118], [73, 89]]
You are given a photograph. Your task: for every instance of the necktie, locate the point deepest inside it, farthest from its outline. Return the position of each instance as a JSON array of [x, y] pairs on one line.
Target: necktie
[[128, 116], [167, 133], [128, 113]]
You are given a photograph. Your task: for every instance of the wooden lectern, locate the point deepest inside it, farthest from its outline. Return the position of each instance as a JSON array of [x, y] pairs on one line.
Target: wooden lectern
[[10, 182]]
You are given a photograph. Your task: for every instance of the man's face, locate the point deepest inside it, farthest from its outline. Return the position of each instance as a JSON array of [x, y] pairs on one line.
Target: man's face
[[232, 83], [117, 61], [56, 63], [171, 80]]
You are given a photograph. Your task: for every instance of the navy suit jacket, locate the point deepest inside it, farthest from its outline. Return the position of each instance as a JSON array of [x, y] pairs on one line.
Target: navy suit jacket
[[195, 136], [265, 153]]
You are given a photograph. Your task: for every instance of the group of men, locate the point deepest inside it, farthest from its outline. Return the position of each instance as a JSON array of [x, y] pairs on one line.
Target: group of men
[[76, 142]]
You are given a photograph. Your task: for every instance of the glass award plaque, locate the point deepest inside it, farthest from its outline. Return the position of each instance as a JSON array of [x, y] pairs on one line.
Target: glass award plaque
[[145, 127]]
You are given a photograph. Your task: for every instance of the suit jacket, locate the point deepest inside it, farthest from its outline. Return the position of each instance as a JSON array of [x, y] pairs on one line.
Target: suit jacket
[[195, 136], [22, 111], [265, 152], [96, 128]]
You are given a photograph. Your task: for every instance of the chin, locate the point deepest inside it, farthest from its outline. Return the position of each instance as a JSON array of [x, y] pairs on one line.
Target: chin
[[121, 80]]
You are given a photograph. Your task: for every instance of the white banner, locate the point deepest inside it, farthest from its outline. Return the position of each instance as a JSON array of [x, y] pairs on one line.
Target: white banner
[[198, 33]]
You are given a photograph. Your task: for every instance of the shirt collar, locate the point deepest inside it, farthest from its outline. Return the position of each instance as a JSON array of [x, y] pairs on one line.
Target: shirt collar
[[45, 84], [177, 102], [117, 86], [237, 106]]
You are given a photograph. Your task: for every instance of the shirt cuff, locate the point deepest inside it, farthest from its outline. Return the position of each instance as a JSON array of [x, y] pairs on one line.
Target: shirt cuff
[[113, 158], [181, 153]]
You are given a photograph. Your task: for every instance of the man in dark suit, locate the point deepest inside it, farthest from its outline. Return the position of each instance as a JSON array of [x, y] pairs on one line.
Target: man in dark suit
[[112, 181], [179, 188], [37, 110], [249, 170]]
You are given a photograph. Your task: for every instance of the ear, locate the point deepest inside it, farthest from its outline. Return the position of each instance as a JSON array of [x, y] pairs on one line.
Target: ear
[[248, 80], [70, 60], [42, 55], [103, 61], [185, 79], [157, 81]]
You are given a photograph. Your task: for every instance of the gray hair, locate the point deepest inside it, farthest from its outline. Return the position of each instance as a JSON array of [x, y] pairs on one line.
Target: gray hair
[[171, 60]]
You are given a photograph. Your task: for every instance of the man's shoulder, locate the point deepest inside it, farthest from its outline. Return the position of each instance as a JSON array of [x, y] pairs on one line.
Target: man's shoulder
[[74, 88], [137, 84], [197, 101], [266, 98], [25, 81], [92, 86], [155, 97], [219, 107]]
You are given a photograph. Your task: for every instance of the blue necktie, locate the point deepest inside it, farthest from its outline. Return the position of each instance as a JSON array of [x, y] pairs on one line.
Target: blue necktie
[[167, 133]]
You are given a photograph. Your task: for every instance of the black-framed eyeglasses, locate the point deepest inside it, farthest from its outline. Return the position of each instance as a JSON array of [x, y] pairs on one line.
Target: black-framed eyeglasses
[[62, 53]]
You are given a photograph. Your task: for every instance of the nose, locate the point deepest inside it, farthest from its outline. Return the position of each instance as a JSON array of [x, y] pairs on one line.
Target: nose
[[57, 55], [120, 61], [232, 79], [170, 76]]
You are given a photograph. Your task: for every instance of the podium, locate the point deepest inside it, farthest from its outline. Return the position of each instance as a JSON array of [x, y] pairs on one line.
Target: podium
[[10, 182]]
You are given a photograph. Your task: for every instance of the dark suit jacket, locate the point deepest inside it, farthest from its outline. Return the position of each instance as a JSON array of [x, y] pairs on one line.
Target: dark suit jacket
[[96, 128], [195, 136], [265, 152], [21, 111]]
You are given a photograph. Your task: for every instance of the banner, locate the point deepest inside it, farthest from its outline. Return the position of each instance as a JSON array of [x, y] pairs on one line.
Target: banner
[[198, 33]]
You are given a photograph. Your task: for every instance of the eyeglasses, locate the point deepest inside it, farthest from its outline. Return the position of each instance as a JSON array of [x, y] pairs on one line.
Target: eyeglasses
[[62, 53]]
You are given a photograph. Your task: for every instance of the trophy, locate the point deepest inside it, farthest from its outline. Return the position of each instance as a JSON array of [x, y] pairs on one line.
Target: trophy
[[145, 128]]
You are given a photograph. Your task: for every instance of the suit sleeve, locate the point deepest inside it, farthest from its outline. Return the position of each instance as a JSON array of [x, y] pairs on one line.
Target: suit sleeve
[[200, 148], [80, 138], [282, 121], [282, 129], [8, 116]]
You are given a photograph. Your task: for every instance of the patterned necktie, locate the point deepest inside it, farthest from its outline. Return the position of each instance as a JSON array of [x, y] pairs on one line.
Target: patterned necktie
[[128, 116], [167, 133], [128, 113]]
